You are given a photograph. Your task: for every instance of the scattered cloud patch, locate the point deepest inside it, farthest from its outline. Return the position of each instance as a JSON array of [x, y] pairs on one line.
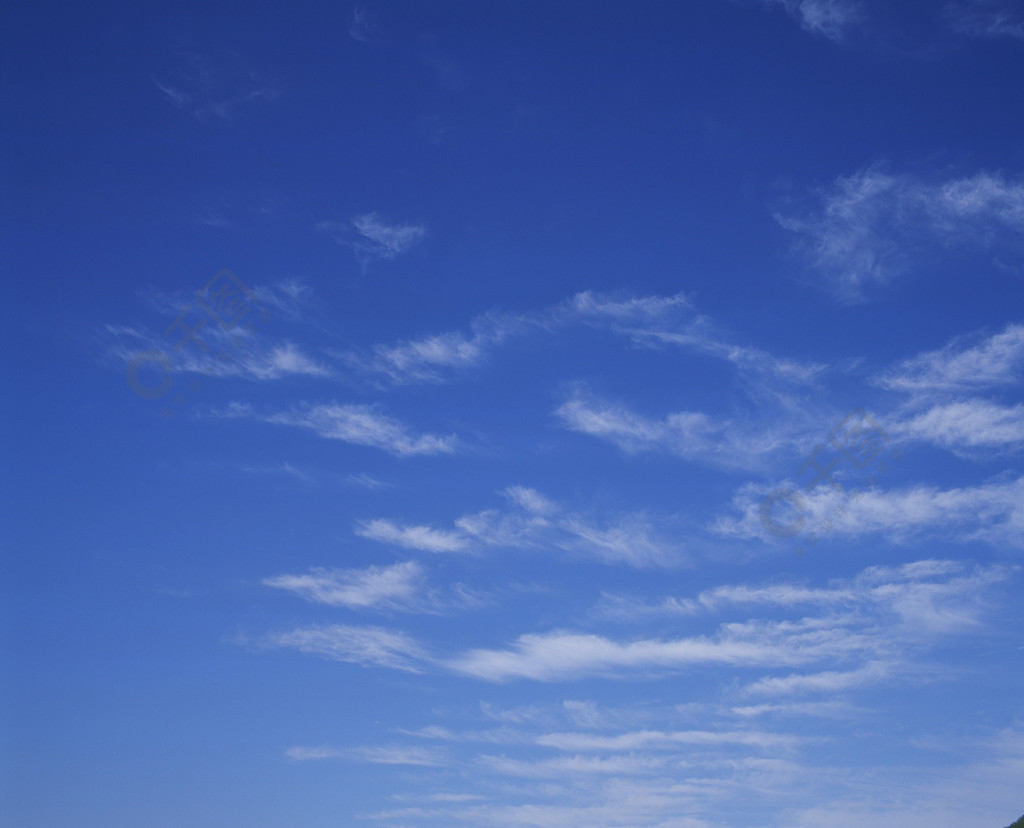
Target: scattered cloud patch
[[364, 26], [833, 19], [992, 512], [691, 435], [987, 18], [361, 425], [387, 240], [869, 227], [648, 321], [367, 646], [997, 360], [963, 427], [373, 238], [299, 753], [535, 522], [376, 587], [871, 619], [211, 91], [423, 538]]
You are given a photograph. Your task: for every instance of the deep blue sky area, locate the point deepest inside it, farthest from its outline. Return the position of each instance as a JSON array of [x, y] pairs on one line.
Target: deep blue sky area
[[422, 414]]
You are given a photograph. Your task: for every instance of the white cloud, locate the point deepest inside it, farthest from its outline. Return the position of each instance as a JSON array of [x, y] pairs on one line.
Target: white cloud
[[538, 523], [925, 595], [996, 360], [401, 755], [359, 645], [530, 500], [691, 435], [535, 522], [364, 26], [431, 359], [648, 321], [572, 765], [654, 321], [737, 777], [377, 587], [376, 755], [371, 237], [214, 353], [643, 309], [387, 240], [565, 762], [420, 359], [869, 226], [987, 18], [631, 540], [289, 299], [661, 739], [830, 18], [971, 424], [632, 767], [829, 682], [993, 512], [281, 361], [566, 656], [412, 537], [883, 610], [361, 425], [752, 361], [828, 709], [300, 753], [209, 91], [981, 788]]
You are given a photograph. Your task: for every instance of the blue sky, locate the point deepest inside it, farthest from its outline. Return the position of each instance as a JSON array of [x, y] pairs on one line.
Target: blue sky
[[514, 414]]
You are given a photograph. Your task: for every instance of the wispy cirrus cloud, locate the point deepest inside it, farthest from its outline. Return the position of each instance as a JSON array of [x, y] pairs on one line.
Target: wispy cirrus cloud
[[753, 361], [871, 226], [940, 385], [568, 766], [668, 777], [866, 622], [364, 25], [566, 656], [996, 360], [833, 19], [636, 740], [195, 343], [987, 18], [991, 512], [965, 427], [534, 522], [438, 357], [656, 322], [691, 435], [368, 646], [926, 594], [386, 240], [372, 237], [376, 755], [301, 753], [250, 356], [212, 90], [423, 538], [361, 425], [829, 681], [399, 586]]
